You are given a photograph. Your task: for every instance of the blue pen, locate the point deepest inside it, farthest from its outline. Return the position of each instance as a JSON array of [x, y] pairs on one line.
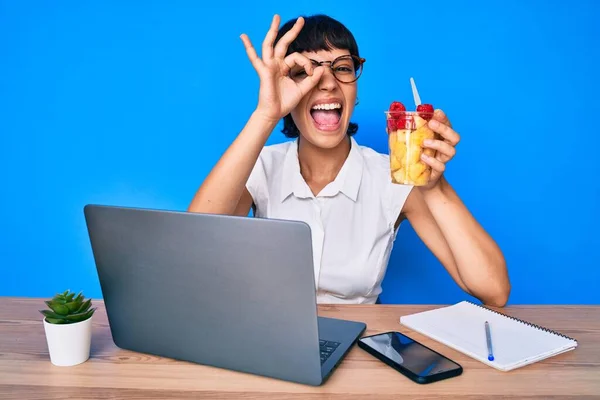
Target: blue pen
[[488, 337]]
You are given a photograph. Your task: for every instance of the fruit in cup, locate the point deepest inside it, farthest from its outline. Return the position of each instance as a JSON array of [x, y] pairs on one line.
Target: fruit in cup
[[425, 108], [407, 131]]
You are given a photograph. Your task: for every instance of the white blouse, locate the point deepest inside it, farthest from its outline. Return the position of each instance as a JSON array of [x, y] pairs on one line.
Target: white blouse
[[352, 219]]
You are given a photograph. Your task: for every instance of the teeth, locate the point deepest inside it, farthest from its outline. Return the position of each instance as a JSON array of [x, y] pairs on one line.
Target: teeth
[[330, 106]]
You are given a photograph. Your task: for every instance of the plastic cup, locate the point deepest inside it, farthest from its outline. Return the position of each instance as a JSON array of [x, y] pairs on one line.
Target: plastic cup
[[406, 132]]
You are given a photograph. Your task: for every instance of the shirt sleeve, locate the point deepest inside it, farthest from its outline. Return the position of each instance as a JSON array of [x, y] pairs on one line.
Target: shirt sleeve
[[257, 186], [398, 196]]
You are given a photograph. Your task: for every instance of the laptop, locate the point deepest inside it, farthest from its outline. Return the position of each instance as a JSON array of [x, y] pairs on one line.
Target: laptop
[[225, 291]]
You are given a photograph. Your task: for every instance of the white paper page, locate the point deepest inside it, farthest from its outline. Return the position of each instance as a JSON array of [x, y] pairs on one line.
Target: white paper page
[[461, 326]]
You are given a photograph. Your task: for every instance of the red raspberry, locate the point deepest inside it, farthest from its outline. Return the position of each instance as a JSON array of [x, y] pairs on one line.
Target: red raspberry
[[396, 117], [392, 125], [425, 108], [397, 106]]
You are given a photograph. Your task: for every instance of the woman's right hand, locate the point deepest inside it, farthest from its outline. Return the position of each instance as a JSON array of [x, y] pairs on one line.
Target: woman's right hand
[[279, 93]]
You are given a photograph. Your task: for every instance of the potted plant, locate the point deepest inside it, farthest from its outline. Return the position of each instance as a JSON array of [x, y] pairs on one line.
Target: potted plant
[[68, 327]]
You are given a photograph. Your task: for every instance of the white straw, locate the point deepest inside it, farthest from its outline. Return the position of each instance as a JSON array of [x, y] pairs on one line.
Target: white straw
[[415, 92]]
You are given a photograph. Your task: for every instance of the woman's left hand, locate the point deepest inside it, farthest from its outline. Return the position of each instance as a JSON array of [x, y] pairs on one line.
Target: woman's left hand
[[444, 148]]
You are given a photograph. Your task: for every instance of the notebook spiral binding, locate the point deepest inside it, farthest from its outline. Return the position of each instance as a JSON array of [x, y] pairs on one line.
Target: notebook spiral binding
[[542, 328]]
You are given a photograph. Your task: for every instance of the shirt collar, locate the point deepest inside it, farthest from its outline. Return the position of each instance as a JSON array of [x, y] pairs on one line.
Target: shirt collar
[[347, 181]]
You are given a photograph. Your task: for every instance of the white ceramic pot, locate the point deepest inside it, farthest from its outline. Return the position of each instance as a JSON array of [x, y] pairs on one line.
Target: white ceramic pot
[[69, 344]]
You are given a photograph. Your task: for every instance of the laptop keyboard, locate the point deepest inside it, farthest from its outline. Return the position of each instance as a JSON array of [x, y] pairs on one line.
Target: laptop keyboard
[[327, 348]]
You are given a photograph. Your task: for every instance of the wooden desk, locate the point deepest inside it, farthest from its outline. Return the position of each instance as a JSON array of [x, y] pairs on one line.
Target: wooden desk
[[26, 371]]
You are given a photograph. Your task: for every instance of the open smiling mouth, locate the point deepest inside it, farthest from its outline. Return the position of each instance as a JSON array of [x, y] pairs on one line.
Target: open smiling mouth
[[327, 116]]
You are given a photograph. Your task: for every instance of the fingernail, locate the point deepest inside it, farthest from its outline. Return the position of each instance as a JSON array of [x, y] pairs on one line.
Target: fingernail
[[424, 156], [428, 142], [433, 123]]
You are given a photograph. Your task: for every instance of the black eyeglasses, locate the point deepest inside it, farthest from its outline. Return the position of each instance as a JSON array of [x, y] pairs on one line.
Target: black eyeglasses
[[346, 68]]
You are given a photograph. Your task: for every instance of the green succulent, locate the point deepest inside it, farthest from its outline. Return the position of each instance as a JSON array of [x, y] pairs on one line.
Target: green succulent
[[66, 308]]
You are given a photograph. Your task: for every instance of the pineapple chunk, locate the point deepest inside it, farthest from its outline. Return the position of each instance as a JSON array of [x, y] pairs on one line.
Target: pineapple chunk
[[395, 163], [415, 170], [392, 137], [401, 135], [421, 134], [399, 151], [413, 154], [398, 176], [419, 122], [423, 178]]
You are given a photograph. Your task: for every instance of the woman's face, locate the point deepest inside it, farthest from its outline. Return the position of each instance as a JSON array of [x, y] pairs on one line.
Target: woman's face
[[323, 114]]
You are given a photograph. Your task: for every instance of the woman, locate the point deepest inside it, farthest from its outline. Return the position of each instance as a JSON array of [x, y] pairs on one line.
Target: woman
[[308, 73]]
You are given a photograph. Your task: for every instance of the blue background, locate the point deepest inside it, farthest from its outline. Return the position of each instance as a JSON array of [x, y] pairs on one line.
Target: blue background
[[131, 104]]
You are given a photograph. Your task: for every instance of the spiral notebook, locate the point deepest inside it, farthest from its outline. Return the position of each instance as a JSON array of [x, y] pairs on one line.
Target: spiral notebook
[[515, 342]]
